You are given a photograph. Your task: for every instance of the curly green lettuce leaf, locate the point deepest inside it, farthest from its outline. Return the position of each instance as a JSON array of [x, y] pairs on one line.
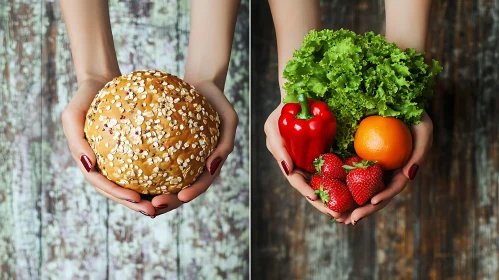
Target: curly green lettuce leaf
[[358, 76]]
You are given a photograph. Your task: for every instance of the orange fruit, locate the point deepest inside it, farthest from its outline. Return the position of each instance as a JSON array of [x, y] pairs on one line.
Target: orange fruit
[[386, 140]]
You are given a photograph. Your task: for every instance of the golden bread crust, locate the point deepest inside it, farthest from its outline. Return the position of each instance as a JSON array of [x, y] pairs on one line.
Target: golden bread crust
[[151, 132]]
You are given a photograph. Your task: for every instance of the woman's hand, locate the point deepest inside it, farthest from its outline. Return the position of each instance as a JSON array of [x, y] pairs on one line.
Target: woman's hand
[[297, 178], [228, 124], [73, 122], [422, 137]]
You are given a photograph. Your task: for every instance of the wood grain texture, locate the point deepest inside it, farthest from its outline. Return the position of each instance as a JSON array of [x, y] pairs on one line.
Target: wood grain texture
[[444, 224], [53, 224]]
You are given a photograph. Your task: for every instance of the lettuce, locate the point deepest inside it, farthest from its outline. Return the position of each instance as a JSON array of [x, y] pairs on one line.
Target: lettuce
[[357, 76]]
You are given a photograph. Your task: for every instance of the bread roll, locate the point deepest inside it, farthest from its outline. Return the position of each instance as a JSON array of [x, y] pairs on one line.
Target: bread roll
[[151, 132]]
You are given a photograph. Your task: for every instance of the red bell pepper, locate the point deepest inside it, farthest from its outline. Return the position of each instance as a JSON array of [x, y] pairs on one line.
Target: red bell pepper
[[308, 129]]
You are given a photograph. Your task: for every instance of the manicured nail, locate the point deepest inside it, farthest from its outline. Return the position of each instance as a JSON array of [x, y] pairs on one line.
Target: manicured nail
[[152, 217], [214, 165], [144, 213], [285, 167], [413, 171], [131, 201], [86, 162], [161, 206], [309, 198], [378, 202]]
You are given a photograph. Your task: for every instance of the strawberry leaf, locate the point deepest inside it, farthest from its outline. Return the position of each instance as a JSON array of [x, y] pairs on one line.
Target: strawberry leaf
[[323, 194], [318, 163]]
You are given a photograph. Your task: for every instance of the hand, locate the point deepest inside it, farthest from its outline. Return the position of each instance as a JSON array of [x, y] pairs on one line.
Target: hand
[[297, 178], [422, 137], [228, 124], [73, 122]]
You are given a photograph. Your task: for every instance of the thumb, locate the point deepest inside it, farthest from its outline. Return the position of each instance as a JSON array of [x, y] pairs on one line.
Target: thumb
[[422, 138]]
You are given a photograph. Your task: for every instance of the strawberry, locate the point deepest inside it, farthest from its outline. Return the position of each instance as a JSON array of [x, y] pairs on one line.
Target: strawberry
[[330, 166], [353, 159], [335, 195], [316, 182], [364, 180]]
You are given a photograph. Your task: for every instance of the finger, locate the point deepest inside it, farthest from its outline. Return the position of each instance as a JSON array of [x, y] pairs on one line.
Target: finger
[[165, 203], [344, 218], [366, 210], [197, 188], [73, 125], [145, 207], [396, 185], [319, 205], [422, 137], [99, 181], [276, 146], [300, 184]]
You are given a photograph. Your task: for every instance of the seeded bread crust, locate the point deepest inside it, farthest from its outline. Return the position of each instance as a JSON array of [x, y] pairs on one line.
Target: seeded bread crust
[[151, 132]]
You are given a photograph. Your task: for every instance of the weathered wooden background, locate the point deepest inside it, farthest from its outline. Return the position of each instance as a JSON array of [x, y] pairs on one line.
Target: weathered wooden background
[[53, 225], [445, 224]]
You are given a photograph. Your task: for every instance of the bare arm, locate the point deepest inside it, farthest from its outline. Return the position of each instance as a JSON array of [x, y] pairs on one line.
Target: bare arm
[[210, 41], [407, 23], [91, 39], [293, 19]]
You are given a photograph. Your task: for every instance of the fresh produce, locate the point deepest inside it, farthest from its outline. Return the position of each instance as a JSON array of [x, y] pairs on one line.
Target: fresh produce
[[351, 160], [335, 195], [307, 128], [364, 180], [388, 141], [330, 166], [316, 182], [358, 76]]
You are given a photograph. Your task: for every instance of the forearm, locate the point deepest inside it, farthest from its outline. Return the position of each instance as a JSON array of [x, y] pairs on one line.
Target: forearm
[[210, 41], [407, 23], [293, 19], [91, 39]]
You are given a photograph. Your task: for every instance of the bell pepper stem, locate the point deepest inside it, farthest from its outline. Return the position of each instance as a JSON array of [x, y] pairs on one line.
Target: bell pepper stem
[[305, 110]]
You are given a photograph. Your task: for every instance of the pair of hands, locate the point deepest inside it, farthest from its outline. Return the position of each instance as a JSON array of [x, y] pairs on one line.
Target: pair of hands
[[73, 121], [422, 135]]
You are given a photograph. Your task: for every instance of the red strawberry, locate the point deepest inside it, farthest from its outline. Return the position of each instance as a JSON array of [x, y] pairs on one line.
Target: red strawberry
[[335, 195], [330, 166], [316, 182], [353, 159], [364, 180]]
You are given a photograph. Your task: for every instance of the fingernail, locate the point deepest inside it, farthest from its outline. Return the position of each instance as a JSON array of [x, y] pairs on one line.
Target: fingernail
[[214, 165], [131, 201], [285, 167], [161, 206], [144, 213], [308, 197], [329, 215], [413, 171], [86, 162], [152, 217]]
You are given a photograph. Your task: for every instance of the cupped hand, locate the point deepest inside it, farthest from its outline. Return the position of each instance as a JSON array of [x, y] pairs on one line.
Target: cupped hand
[[298, 178], [422, 138], [73, 122], [228, 125]]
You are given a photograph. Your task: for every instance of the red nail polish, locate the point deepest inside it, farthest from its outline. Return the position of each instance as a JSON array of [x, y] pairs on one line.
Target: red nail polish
[[131, 201], [285, 167], [144, 213], [413, 171], [308, 197], [214, 165], [161, 206], [86, 162]]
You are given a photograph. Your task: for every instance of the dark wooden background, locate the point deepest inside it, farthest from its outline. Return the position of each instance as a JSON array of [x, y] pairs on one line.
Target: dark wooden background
[[53, 225], [445, 223]]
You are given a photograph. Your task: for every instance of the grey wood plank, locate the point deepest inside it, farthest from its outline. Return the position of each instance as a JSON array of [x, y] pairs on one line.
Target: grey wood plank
[[20, 139]]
